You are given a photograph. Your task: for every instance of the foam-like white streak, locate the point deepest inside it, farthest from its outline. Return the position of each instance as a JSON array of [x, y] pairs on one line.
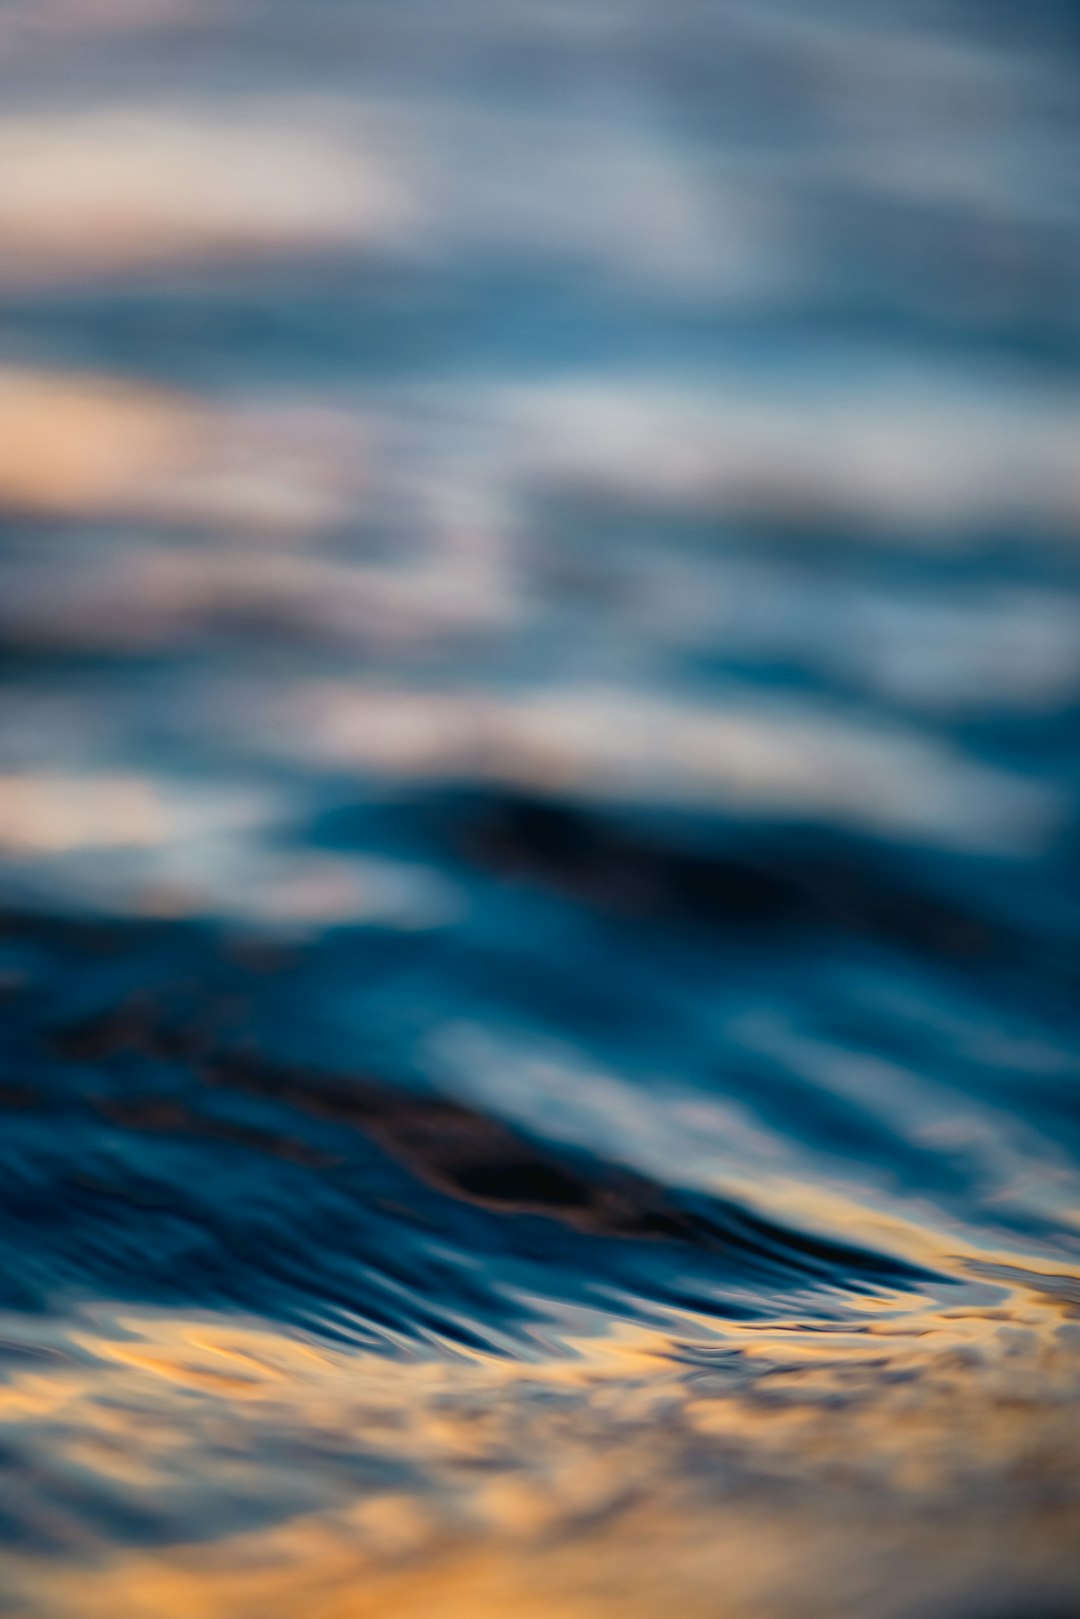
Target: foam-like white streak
[[899, 457]]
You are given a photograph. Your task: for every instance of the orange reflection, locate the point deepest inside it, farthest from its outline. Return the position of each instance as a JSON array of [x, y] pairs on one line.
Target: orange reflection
[[736, 1472]]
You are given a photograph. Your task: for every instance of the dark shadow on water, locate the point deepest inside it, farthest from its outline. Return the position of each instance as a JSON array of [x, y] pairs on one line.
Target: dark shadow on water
[[158, 1154]]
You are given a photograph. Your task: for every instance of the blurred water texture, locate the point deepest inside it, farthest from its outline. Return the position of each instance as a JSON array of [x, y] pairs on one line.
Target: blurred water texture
[[540, 623]]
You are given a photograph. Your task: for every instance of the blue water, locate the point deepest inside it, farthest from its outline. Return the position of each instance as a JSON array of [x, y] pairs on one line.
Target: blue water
[[540, 624]]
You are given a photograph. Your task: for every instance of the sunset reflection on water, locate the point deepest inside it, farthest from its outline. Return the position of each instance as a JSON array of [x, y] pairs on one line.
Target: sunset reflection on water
[[777, 1468]]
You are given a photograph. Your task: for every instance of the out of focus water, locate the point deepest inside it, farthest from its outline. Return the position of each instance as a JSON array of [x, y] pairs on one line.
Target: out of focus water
[[540, 623]]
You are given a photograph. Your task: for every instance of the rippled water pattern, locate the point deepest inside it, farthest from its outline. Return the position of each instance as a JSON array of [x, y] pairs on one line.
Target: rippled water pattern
[[540, 624]]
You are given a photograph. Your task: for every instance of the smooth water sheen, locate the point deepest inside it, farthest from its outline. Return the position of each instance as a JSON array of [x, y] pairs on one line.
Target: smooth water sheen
[[540, 623]]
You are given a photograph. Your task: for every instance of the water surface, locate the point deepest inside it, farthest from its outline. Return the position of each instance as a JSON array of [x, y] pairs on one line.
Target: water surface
[[540, 624]]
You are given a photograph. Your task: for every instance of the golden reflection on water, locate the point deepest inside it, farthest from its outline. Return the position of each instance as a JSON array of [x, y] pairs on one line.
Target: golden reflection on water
[[746, 1471]]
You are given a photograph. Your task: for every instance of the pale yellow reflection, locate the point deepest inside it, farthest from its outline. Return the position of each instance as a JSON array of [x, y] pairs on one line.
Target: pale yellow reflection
[[48, 814], [92, 191], [76, 444], [85, 443]]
